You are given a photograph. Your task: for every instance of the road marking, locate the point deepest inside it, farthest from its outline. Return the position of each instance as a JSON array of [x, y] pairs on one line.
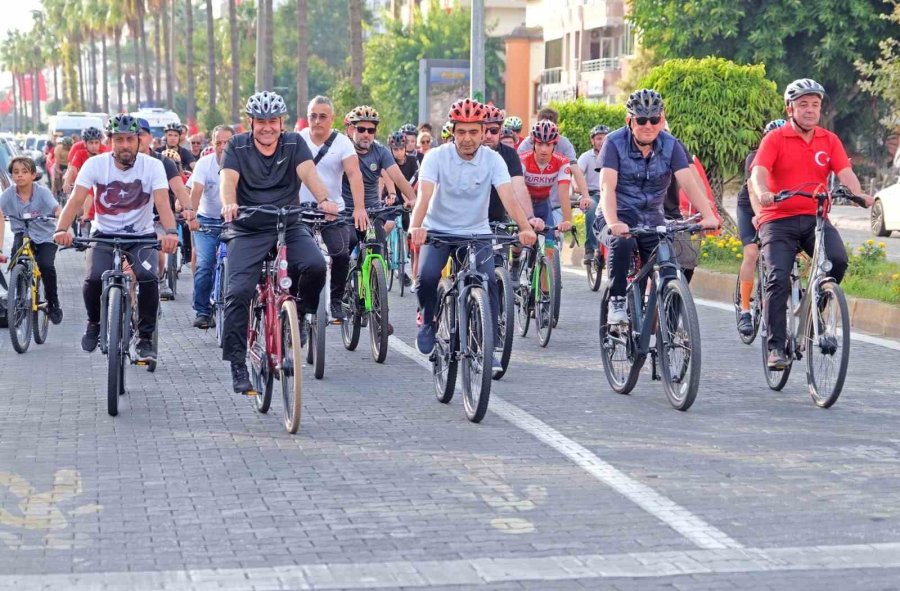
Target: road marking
[[863, 338], [678, 518], [480, 571]]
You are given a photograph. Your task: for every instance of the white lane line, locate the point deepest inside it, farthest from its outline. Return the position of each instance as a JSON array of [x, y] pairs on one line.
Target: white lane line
[[856, 336], [478, 571], [675, 516]]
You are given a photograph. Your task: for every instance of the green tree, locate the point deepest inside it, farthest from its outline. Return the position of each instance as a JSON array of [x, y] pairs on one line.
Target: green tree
[[881, 76], [718, 109], [392, 59], [578, 117], [821, 40]]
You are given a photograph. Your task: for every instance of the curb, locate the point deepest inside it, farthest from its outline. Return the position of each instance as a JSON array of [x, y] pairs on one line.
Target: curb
[[870, 316]]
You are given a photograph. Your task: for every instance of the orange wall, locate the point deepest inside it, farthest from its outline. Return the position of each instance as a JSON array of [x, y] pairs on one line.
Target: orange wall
[[518, 84]]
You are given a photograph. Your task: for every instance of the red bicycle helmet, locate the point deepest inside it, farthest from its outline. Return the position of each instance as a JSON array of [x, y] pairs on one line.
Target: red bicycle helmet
[[545, 132], [493, 114], [467, 111]]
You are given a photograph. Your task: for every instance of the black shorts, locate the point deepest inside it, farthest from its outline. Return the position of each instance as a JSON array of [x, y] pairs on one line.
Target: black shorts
[[745, 224]]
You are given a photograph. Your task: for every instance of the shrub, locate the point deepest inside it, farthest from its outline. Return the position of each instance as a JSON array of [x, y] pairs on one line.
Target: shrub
[[578, 117]]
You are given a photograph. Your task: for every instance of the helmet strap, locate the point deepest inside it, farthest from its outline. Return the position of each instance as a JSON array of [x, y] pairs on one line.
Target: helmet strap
[[637, 142], [800, 127]]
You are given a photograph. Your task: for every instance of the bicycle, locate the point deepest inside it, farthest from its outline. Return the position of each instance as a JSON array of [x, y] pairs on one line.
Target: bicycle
[[118, 336], [173, 262], [506, 291], [397, 255], [657, 301], [274, 343], [756, 299], [818, 320], [463, 328], [365, 298], [536, 292], [315, 352], [27, 315], [220, 274]]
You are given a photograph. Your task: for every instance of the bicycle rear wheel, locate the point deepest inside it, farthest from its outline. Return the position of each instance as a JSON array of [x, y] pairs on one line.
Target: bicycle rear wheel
[[40, 319], [18, 308], [678, 344], [595, 271], [505, 318], [401, 260], [115, 351], [556, 268], [390, 259], [523, 299], [476, 372], [378, 316], [827, 358], [545, 301], [350, 327], [222, 274], [258, 357], [291, 373], [444, 361], [315, 352], [621, 361], [775, 379], [172, 272]]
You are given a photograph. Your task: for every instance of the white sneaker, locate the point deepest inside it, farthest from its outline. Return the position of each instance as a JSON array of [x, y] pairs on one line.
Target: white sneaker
[[616, 313]]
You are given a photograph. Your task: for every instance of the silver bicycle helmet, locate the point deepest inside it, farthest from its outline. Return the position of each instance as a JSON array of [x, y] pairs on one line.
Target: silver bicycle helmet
[[644, 103], [265, 104], [802, 87]]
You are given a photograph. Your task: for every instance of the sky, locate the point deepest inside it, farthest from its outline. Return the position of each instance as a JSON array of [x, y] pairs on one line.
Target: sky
[[17, 18]]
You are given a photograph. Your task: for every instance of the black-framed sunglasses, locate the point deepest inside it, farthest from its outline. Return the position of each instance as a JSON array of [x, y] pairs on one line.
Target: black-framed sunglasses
[[492, 130], [643, 120], [370, 130]]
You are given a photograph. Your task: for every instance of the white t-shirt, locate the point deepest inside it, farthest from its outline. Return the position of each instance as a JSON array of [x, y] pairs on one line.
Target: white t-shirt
[[330, 168], [123, 199], [206, 172]]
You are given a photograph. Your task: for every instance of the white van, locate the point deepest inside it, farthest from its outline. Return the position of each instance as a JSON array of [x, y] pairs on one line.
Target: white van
[[65, 123], [157, 118]]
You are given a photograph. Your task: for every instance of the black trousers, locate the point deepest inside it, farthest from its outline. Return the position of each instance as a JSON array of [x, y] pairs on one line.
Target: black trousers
[[144, 262], [339, 240], [619, 256], [246, 253], [45, 254], [781, 239]]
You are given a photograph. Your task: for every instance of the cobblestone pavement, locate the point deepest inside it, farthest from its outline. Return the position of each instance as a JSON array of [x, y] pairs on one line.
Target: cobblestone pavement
[[565, 485]]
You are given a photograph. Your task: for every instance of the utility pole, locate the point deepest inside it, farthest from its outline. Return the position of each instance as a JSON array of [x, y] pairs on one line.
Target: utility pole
[[476, 55]]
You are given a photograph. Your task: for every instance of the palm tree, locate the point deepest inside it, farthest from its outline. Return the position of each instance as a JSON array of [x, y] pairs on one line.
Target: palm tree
[[73, 18], [210, 59], [235, 61], [302, 57], [9, 56], [115, 22], [155, 8], [168, 46], [191, 110], [356, 51]]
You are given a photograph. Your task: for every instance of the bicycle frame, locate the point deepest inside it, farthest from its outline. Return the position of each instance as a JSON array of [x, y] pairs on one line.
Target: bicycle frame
[[25, 251], [374, 251], [464, 280], [115, 277]]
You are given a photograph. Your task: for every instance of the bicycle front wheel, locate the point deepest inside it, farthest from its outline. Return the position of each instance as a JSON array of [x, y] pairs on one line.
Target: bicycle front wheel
[[556, 273], [291, 373], [315, 354], [115, 351], [776, 379], [350, 327], [827, 357], [378, 315], [476, 367], [505, 318], [172, 272], [545, 300], [444, 361], [18, 308], [595, 271], [678, 344], [220, 301], [40, 319], [258, 357], [621, 362]]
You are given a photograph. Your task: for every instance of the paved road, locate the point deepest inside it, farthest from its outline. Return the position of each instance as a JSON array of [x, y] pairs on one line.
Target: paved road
[[565, 485]]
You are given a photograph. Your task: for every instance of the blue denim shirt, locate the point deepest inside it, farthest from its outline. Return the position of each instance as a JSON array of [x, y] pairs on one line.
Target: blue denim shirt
[[642, 182]]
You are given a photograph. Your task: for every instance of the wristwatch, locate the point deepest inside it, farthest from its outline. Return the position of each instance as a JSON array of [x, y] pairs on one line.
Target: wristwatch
[[172, 232]]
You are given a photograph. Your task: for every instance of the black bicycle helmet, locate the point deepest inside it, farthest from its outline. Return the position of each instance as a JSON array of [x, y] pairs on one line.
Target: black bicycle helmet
[[91, 133], [397, 139], [265, 104], [123, 123], [409, 129], [644, 103], [599, 130]]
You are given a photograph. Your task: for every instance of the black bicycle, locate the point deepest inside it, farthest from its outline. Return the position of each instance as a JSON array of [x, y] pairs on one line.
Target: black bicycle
[[220, 275], [118, 334], [463, 324], [658, 302], [506, 317], [536, 294]]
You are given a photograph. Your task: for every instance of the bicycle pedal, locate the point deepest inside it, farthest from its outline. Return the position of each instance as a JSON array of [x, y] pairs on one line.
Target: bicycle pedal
[[252, 393], [141, 363]]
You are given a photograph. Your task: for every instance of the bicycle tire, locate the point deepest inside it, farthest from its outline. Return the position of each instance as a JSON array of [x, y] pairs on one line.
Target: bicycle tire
[[822, 395], [681, 398], [315, 355], [623, 377], [390, 263], [444, 362], [543, 307], [379, 316], [220, 302], [352, 323], [18, 308], [291, 372], [523, 300], [40, 319], [776, 380], [557, 286], [115, 355], [476, 373], [258, 358], [401, 261], [595, 271], [505, 318]]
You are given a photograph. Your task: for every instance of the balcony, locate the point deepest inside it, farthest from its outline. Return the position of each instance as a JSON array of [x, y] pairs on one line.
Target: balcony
[[606, 64], [551, 76]]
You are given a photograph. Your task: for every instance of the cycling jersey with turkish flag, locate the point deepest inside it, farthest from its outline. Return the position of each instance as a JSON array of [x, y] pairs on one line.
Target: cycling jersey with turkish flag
[[794, 164], [541, 180], [123, 198]]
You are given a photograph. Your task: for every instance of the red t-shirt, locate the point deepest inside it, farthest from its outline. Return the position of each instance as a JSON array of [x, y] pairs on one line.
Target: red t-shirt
[[76, 149], [540, 181], [82, 155], [794, 164]]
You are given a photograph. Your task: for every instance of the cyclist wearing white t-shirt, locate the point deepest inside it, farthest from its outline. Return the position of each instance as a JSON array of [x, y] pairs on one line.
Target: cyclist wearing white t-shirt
[[335, 156], [126, 185], [205, 201]]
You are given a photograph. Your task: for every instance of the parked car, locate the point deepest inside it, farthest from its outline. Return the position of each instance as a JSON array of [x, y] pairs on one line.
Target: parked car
[[885, 216]]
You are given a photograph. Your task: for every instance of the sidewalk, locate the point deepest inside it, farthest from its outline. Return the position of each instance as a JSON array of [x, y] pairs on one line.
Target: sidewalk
[[847, 217]]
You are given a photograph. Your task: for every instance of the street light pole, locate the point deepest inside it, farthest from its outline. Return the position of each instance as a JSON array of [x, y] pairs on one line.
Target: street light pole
[[476, 56]]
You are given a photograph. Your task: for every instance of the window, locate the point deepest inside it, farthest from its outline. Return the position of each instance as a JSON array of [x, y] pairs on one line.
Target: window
[[628, 39], [553, 54]]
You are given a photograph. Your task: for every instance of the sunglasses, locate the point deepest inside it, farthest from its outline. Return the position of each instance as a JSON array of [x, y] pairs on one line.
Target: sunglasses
[[492, 130], [643, 120], [370, 130]]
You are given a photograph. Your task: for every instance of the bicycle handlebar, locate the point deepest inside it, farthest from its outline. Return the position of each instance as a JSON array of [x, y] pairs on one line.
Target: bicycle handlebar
[[840, 191], [32, 218], [456, 239]]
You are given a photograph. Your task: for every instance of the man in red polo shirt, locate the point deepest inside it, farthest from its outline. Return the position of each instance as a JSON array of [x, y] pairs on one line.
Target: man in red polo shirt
[[796, 157]]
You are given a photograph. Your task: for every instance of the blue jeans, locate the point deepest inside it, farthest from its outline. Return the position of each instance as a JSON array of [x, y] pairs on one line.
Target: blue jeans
[[590, 239], [205, 245]]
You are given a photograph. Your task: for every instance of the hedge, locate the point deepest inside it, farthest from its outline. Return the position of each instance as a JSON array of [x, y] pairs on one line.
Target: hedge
[[578, 117]]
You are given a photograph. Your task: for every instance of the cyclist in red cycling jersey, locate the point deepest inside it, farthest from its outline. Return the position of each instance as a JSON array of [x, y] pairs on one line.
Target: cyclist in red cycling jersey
[[545, 169]]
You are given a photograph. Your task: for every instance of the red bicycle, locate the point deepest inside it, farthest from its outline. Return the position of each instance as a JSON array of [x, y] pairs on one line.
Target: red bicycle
[[274, 345]]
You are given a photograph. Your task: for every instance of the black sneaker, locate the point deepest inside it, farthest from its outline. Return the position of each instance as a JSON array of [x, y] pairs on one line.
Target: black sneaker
[[90, 337], [144, 350], [55, 313], [745, 324], [240, 379], [406, 280], [165, 292], [202, 322], [776, 360], [337, 311]]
